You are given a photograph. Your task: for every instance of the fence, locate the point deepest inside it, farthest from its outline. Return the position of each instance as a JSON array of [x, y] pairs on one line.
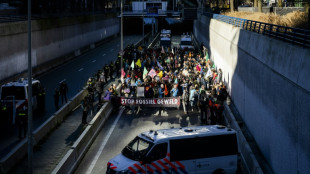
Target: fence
[[288, 34]]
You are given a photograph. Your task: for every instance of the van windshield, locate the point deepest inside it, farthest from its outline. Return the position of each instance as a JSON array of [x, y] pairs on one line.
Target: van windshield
[[17, 91], [137, 149]]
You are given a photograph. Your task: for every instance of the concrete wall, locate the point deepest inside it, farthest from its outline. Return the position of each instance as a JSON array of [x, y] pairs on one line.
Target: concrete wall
[[48, 43], [268, 81]]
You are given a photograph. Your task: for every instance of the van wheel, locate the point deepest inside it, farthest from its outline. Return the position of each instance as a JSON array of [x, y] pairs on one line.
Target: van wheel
[[219, 171]]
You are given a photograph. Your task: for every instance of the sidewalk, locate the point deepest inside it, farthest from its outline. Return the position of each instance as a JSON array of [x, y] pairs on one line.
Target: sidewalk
[[48, 153]]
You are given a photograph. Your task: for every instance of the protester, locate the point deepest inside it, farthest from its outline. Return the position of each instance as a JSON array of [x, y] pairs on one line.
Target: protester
[[63, 90]]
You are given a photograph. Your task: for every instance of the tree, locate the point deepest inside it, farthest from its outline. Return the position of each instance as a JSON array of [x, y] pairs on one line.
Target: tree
[[232, 5], [255, 3], [260, 5]]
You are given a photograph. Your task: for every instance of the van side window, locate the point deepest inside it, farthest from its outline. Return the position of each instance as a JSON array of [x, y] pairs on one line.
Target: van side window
[[158, 152], [203, 147]]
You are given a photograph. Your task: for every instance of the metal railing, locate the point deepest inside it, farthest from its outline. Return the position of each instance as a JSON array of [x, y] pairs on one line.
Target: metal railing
[[288, 34]]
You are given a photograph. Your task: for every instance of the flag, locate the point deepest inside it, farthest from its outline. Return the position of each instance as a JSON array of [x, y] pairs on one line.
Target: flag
[[162, 50], [207, 56], [123, 73], [144, 73], [138, 63], [176, 81], [198, 68], [166, 90], [160, 74], [159, 65], [172, 51], [132, 64], [152, 73]]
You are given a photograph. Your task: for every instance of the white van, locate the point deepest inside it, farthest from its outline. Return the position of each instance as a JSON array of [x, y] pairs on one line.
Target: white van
[[190, 150]]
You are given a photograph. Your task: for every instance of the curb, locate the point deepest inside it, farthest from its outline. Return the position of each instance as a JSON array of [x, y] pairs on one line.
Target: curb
[[249, 163], [73, 157]]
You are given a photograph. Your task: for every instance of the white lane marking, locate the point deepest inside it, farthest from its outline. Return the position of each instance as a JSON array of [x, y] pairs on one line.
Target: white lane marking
[[81, 69], [112, 49], [103, 54], [93, 163], [94, 61]]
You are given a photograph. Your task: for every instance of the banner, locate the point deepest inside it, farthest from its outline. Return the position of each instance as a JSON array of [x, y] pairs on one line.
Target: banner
[[151, 102]]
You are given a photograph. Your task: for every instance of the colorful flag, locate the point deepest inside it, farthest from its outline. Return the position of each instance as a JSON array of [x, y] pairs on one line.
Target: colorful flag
[[123, 74], [144, 73], [159, 65], [207, 56], [138, 63], [152, 73], [132, 64], [198, 68], [160, 74], [176, 81]]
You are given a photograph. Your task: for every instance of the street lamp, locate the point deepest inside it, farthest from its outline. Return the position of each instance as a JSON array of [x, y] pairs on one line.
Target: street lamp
[[29, 92], [122, 39]]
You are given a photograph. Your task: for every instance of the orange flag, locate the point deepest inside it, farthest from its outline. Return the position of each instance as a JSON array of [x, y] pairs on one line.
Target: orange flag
[[166, 90]]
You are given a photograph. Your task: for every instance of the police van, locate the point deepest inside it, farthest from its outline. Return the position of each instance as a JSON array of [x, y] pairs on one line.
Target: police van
[[186, 41], [165, 38], [14, 95], [190, 150]]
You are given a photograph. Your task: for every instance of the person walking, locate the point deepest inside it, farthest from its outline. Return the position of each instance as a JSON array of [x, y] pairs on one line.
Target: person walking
[[185, 100], [22, 121], [106, 72], [85, 107], [56, 98], [63, 90]]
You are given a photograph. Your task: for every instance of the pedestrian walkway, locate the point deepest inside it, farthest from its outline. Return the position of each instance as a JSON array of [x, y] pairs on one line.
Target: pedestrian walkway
[[48, 153]]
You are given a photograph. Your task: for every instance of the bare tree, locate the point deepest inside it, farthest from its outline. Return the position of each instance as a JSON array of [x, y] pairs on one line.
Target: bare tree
[[232, 6], [260, 6], [255, 3]]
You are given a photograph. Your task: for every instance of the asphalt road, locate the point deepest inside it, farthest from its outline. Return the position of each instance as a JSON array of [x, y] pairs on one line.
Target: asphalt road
[[76, 72], [122, 127]]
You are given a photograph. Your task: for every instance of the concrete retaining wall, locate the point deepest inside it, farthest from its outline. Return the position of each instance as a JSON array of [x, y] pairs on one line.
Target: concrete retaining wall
[[268, 81], [48, 43]]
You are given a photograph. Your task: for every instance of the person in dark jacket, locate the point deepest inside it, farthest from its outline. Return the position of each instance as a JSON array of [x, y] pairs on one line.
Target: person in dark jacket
[[63, 90], [56, 98]]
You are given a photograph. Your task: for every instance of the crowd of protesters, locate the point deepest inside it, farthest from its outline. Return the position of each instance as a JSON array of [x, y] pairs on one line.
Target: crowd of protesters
[[163, 72]]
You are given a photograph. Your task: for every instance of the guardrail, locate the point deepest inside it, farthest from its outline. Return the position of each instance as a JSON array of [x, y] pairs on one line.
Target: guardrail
[[288, 34]]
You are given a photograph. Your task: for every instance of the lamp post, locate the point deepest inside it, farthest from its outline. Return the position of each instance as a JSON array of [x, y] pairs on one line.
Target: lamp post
[[29, 92], [143, 27], [122, 38]]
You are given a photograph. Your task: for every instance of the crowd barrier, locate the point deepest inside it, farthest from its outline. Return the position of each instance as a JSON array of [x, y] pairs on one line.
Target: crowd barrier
[[20, 151], [249, 163]]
